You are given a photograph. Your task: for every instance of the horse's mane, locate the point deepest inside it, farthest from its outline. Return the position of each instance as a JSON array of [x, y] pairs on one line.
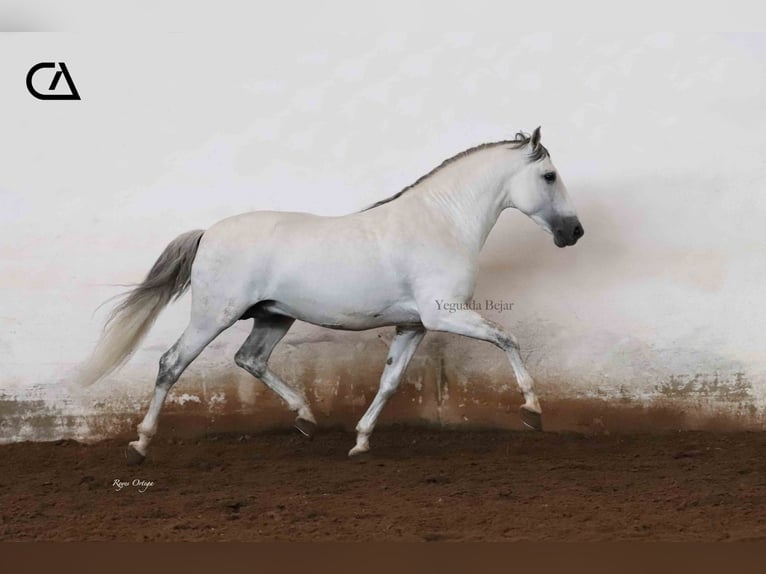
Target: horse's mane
[[520, 140]]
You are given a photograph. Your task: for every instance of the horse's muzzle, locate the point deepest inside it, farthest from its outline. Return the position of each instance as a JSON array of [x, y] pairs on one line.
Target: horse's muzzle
[[567, 231]]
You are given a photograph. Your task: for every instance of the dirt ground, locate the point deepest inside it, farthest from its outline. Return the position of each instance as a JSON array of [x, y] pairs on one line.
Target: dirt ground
[[420, 485]]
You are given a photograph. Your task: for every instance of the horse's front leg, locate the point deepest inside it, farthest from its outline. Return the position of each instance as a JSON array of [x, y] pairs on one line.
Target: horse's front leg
[[471, 324], [402, 348]]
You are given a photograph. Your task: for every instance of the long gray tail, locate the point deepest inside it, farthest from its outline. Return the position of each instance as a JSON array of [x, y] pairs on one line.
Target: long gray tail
[[132, 318]]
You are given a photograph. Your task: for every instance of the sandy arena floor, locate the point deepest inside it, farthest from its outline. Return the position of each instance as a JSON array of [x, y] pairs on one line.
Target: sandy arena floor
[[421, 484]]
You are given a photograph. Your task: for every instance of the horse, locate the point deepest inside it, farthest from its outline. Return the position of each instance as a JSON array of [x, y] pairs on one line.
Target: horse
[[388, 265]]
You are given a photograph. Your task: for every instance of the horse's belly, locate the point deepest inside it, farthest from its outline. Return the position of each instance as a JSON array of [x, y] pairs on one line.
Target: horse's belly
[[342, 301], [347, 318]]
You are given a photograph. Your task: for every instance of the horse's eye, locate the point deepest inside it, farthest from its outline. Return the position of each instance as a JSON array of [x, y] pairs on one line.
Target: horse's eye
[[550, 177]]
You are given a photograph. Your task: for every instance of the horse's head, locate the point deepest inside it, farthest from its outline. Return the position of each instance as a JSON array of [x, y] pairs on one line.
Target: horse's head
[[537, 190]]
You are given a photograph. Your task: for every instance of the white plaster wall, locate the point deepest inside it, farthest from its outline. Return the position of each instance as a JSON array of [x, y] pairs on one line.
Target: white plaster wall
[[660, 139]]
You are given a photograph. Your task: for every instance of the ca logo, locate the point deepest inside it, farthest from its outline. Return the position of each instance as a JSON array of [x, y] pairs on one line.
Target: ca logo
[[52, 94]]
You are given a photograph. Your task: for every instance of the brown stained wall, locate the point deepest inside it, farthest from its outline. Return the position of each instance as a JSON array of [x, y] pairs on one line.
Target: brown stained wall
[[438, 390]]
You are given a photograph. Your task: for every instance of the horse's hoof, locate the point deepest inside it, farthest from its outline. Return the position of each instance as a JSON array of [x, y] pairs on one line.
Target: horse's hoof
[[359, 454], [133, 457], [531, 418], [307, 427]]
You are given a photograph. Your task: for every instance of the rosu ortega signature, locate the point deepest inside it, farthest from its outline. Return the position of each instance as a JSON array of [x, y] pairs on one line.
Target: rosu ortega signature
[[141, 485]]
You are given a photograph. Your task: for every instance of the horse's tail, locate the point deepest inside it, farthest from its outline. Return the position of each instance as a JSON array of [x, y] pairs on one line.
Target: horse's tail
[[131, 319]]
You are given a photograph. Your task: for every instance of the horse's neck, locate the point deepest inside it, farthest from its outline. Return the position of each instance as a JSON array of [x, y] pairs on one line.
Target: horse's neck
[[466, 197]]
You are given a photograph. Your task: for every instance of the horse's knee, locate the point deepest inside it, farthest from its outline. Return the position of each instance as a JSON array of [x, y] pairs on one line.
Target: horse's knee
[[253, 365], [507, 341]]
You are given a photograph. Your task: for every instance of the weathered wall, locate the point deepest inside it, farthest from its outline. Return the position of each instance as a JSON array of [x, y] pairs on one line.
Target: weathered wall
[[654, 320]]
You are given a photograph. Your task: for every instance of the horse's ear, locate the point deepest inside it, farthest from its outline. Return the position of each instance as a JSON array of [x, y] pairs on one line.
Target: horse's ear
[[534, 141]]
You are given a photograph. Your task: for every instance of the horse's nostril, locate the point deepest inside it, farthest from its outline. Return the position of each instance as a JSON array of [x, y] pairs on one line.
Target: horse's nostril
[[578, 231]]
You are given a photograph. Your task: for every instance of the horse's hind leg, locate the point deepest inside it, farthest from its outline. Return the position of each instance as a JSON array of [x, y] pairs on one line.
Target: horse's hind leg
[[402, 348], [191, 343], [253, 356]]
